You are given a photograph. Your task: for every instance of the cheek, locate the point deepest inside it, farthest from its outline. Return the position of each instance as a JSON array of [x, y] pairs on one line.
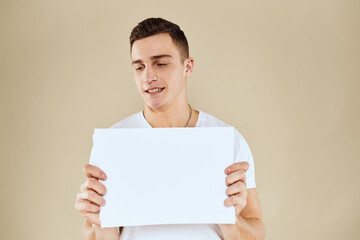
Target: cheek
[[138, 83], [174, 76]]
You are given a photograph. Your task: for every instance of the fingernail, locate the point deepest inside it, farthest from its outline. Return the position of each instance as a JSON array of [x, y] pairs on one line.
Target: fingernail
[[104, 176]]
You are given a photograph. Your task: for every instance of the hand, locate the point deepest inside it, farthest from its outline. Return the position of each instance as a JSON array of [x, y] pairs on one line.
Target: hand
[[91, 194], [236, 182]]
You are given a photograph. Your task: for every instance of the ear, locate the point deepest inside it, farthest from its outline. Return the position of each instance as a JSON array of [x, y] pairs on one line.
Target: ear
[[189, 66]]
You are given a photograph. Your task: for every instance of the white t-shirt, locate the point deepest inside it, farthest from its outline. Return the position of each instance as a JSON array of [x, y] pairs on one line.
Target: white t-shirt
[[187, 231]]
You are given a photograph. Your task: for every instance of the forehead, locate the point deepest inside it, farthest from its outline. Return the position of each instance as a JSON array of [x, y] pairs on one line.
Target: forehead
[[153, 46]]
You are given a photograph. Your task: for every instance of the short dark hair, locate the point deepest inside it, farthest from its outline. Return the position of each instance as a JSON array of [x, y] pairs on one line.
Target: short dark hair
[[153, 26]]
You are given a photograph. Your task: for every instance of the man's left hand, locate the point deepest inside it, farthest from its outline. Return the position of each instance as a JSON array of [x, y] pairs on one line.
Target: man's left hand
[[236, 182]]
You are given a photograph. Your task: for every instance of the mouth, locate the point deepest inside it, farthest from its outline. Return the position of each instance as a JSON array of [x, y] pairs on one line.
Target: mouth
[[154, 90]]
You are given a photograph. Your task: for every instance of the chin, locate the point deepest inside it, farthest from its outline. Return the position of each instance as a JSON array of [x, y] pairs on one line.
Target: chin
[[155, 105]]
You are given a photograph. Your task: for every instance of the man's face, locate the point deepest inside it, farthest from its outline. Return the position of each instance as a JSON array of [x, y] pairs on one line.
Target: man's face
[[159, 73]]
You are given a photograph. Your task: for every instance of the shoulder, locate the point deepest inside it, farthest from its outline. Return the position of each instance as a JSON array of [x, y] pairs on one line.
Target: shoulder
[[208, 120], [133, 121]]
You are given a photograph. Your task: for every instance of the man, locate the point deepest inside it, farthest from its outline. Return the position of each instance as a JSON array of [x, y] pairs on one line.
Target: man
[[161, 63]]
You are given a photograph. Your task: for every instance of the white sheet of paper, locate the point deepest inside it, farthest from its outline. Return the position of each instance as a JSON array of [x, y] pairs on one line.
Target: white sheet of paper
[[164, 175]]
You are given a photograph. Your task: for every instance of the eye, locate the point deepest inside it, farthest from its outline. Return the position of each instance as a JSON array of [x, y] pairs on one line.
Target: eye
[[139, 68], [161, 64]]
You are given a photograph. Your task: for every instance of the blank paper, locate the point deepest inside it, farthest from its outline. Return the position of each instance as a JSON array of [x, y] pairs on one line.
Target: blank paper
[[164, 175]]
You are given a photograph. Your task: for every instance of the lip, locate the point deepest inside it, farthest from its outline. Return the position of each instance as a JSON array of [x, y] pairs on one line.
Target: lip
[[154, 93]]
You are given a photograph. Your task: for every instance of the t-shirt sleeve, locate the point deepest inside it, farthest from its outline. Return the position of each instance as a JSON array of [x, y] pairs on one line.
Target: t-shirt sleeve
[[242, 153]]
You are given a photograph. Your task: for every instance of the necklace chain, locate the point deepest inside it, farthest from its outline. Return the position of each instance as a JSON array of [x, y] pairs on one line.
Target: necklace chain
[[188, 121]]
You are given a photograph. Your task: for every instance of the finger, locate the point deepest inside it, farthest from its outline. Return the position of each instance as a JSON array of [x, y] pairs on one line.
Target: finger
[[93, 218], [87, 224], [236, 188], [230, 201], [236, 201], [92, 196], [93, 171], [93, 184], [84, 186], [83, 206], [235, 177], [236, 167], [87, 230]]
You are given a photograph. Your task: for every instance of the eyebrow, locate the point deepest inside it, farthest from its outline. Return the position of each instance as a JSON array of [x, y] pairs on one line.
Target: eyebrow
[[152, 58]]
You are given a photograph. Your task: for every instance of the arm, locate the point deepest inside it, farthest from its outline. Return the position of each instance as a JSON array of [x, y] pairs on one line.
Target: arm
[[249, 224], [88, 204]]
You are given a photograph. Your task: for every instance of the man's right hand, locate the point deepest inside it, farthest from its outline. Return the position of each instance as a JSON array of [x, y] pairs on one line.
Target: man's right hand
[[88, 202], [90, 197]]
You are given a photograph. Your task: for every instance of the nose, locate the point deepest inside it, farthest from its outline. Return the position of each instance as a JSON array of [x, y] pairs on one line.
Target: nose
[[150, 75]]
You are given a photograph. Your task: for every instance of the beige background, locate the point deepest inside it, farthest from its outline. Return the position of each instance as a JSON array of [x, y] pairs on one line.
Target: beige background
[[285, 73]]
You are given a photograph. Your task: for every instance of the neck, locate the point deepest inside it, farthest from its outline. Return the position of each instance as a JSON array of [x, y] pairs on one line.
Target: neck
[[174, 116]]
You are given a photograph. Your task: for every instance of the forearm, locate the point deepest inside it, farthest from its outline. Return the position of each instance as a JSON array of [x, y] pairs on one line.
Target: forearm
[[93, 232], [244, 228]]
